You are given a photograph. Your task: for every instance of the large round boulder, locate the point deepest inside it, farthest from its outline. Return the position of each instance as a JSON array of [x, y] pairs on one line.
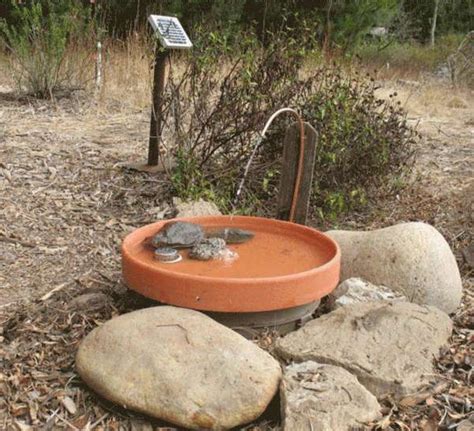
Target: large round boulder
[[410, 258], [180, 366]]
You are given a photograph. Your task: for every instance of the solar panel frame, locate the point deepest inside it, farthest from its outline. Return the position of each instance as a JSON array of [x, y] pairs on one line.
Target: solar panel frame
[[170, 32]]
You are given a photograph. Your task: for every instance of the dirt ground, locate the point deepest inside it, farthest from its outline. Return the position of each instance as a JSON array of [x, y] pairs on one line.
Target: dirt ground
[[66, 203]]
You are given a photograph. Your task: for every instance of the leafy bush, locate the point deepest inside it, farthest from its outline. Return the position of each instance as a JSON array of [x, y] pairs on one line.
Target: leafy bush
[[38, 43], [220, 103], [362, 139]]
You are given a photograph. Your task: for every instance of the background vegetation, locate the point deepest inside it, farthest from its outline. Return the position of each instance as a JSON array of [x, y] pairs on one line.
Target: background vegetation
[[250, 58], [335, 23]]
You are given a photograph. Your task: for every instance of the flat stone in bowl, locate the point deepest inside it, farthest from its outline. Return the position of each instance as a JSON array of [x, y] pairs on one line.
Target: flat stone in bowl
[[230, 235], [178, 234]]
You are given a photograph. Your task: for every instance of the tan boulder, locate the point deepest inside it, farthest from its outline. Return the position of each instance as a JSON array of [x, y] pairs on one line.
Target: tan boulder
[[180, 366], [413, 259]]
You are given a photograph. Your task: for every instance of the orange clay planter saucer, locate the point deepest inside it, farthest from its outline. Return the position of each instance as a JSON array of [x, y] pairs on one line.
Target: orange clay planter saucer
[[285, 266]]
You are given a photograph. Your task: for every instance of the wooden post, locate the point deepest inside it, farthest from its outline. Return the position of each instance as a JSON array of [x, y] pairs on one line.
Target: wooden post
[[289, 172], [161, 56]]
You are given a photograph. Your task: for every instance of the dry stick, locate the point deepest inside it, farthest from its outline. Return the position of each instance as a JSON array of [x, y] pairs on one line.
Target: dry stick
[[419, 397], [11, 240], [42, 189], [55, 414], [52, 291], [97, 422]]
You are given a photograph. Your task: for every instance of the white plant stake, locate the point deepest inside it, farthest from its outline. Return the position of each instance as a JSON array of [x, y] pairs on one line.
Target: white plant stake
[[98, 66]]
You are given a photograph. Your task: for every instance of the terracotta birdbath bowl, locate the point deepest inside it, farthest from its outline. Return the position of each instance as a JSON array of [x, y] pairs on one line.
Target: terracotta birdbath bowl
[[285, 266]]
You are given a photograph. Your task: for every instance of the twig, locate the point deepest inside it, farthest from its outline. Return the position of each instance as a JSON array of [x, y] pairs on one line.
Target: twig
[[42, 189], [52, 291], [11, 240], [97, 422], [55, 414], [439, 130], [443, 417]]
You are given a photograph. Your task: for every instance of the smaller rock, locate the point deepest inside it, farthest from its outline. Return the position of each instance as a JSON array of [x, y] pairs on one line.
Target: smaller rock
[[138, 425], [178, 234], [468, 254], [22, 426], [69, 405], [7, 258], [388, 345], [208, 249], [89, 302], [466, 424], [355, 290], [325, 398], [195, 208]]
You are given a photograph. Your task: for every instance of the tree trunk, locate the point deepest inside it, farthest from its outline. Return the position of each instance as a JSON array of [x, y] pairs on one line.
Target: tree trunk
[[433, 22]]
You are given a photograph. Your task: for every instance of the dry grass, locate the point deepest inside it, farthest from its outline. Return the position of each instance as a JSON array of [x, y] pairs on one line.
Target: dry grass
[[407, 60], [432, 101], [128, 76]]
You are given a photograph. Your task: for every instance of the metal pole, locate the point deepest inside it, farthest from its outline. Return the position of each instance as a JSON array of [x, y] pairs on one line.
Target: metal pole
[[161, 55]]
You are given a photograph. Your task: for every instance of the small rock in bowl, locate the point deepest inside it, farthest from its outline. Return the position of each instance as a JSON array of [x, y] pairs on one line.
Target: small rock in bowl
[[208, 249], [167, 255]]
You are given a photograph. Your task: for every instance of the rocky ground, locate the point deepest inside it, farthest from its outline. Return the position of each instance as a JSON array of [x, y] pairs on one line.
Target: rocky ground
[[66, 203]]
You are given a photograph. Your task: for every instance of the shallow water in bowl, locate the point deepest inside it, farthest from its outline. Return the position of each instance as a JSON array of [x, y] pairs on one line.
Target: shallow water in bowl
[[268, 254]]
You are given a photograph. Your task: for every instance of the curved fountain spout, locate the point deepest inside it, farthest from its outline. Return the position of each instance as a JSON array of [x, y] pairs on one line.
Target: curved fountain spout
[[296, 189]]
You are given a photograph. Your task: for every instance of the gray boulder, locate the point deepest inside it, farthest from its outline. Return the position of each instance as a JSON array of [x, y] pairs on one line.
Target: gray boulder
[[355, 291], [411, 258], [325, 398], [180, 366], [389, 346]]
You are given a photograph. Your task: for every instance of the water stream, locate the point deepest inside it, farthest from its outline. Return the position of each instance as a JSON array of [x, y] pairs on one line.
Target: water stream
[[254, 153]]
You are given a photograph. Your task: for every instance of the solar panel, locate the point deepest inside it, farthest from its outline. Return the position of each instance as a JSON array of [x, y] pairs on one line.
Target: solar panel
[[170, 31]]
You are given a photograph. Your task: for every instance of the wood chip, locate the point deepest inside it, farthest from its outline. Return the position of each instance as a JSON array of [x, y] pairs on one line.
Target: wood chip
[[69, 404]]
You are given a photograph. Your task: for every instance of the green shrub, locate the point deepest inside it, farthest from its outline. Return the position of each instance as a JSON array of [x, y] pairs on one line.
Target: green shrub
[[408, 56], [219, 104], [38, 43], [363, 140]]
